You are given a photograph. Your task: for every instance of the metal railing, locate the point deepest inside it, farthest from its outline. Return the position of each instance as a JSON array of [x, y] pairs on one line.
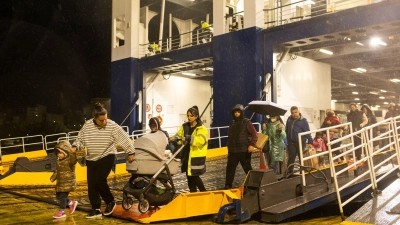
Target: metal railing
[[184, 40], [303, 9], [48, 142], [21, 144], [389, 140]]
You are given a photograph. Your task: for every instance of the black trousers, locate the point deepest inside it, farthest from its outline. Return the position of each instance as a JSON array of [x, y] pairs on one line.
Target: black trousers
[[195, 182], [357, 142], [63, 199], [97, 173], [233, 160], [293, 151]]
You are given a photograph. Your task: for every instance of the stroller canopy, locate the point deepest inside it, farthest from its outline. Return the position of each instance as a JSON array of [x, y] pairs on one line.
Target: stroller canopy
[[153, 143]]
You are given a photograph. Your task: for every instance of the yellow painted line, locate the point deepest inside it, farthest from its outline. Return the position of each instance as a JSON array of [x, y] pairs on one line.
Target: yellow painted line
[[217, 152], [354, 223], [193, 204]]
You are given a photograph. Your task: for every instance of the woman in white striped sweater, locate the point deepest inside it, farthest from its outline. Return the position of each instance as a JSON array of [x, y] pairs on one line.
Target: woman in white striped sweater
[[100, 136]]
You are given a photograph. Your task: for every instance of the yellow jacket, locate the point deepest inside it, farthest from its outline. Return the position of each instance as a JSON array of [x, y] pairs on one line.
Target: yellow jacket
[[198, 148]]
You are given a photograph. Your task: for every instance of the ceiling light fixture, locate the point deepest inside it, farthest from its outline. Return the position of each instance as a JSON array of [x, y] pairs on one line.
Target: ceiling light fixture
[[395, 80], [359, 70], [355, 93], [382, 97], [357, 99], [377, 106], [326, 51], [386, 103], [383, 91], [359, 43], [377, 41], [351, 84], [373, 92], [189, 74]]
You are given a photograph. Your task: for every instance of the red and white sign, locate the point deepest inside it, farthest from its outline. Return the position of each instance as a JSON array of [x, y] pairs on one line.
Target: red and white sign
[[149, 116], [158, 108], [147, 107]]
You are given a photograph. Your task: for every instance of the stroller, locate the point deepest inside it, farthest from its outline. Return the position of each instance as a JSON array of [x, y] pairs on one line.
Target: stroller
[[152, 163]]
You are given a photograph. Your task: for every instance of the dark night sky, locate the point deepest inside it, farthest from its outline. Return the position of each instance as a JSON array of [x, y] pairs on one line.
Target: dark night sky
[[54, 52]]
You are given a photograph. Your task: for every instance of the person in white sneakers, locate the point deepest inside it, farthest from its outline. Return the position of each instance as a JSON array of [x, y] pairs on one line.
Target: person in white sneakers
[[65, 177]]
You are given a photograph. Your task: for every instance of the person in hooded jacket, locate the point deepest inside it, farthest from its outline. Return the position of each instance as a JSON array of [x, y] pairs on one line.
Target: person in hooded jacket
[[296, 124], [193, 156], [393, 111], [358, 120], [276, 135], [155, 125], [242, 139], [371, 120], [65, 177]]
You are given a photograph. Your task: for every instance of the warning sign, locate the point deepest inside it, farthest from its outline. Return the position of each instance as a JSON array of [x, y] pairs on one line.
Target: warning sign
[[147, 108], [158, 108]]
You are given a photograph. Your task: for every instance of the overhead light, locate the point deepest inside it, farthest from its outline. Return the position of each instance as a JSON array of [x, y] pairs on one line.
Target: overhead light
[[377, 106], [395, 80], [381, 97], [383, 91], [359, 70], [356, 99], [386, 103], [359, 43], [373, 92], [377, 41], [351, 84], [355, 93], [189, 74], [333, 100], [326, 51]]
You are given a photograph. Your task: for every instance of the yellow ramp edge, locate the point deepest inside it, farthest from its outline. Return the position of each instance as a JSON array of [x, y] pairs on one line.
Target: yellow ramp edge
[[353, 223], [217, 152], [8, 160], [194, 204]]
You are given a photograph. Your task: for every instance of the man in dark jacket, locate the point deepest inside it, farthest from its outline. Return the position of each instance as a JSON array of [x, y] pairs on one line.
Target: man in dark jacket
[[296, 124], [242, 139]]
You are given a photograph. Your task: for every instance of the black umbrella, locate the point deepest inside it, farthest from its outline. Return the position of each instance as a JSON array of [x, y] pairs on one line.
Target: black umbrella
[[266, 108]]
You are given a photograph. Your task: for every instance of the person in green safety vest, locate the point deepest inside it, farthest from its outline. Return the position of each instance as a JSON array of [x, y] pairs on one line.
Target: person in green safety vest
[[154, 48], [206, 31]]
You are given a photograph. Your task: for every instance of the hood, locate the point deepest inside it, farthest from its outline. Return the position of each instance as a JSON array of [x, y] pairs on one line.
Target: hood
[[64, 147], [156, 121], [368, 109], [237, 107]]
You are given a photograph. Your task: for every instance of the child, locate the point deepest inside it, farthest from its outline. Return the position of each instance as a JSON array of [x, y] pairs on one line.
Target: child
[[319, 146], [65, 176]]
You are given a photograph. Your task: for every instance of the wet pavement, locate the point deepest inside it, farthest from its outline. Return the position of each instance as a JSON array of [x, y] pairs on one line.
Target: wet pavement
[[20, 210], [16, 208]]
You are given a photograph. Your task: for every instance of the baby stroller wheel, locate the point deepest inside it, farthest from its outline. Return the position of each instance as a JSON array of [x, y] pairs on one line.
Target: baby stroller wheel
[[143, 206], [127, 203]]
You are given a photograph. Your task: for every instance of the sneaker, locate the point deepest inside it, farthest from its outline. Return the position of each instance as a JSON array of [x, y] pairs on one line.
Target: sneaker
[[59, 214], [110, 208], [72, 206], [94, 213]]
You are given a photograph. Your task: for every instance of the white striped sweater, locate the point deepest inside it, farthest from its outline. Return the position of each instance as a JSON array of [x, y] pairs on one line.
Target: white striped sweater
[[102, 141]]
